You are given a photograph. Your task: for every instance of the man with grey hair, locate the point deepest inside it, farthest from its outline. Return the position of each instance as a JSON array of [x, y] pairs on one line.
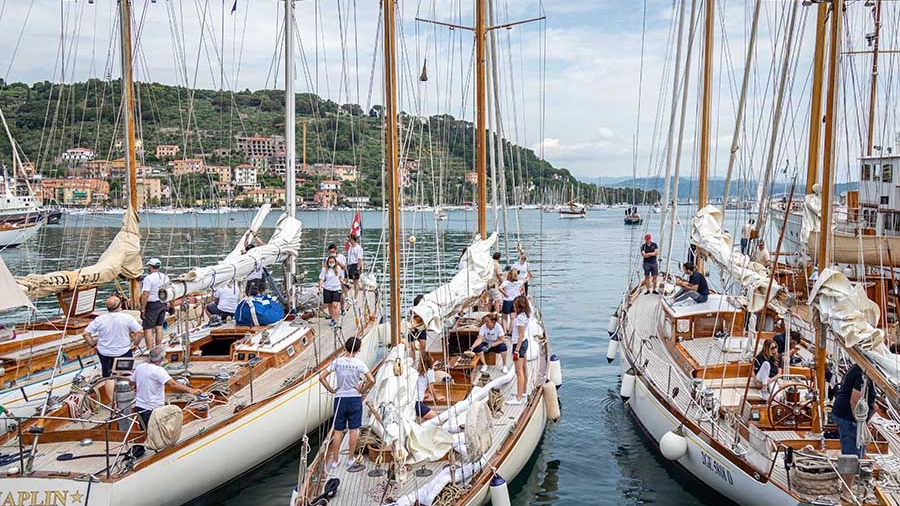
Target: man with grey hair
[[114, 335], [150, 381]]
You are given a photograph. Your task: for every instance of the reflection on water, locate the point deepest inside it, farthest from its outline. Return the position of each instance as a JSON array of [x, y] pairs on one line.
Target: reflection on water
[[594, 456]]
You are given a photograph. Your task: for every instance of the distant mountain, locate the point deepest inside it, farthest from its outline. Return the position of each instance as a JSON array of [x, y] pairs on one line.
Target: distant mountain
[[687, 188]]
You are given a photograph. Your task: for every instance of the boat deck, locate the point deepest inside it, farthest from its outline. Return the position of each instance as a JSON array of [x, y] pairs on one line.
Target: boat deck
[[90, 456]]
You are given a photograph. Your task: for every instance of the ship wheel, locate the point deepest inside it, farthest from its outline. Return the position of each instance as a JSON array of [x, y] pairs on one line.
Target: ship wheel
[[792, 403]]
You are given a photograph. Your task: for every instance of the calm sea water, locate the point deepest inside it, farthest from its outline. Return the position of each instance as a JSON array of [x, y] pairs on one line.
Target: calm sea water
[[595, 455]]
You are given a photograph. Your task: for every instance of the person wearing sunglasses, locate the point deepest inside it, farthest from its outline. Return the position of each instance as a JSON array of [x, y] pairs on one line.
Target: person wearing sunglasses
[[765, 367]]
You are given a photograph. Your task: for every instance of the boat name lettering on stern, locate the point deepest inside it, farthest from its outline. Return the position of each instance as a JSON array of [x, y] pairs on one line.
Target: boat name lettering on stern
[[711, 464], [40, 498]]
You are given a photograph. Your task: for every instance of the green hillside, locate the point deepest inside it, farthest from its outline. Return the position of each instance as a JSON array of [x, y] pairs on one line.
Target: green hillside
[[46, 119]]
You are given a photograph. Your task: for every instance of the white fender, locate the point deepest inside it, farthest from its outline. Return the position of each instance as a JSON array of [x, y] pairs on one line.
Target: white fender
[[551, 401], [627, 388], [499, 492], [613, 326], [554, 371], [612, 349], [673, 445]]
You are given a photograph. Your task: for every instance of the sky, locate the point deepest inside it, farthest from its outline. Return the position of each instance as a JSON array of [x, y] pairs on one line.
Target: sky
[[588, 87]]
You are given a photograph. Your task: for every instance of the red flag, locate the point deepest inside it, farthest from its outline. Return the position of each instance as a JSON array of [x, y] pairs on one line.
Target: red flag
[[355, 228]]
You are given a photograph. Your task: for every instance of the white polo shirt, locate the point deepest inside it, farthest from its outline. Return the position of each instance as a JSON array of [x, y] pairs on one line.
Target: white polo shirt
[[113, 332], [150, 382], [151, 284]]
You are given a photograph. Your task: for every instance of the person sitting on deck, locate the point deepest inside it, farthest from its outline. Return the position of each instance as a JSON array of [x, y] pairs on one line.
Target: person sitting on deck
[[348, 391], [795, 345], [425, 383], [226, 300], [417, 333], [762, 255], [150, 381], [695, 288], [490, 338], [765, 367]]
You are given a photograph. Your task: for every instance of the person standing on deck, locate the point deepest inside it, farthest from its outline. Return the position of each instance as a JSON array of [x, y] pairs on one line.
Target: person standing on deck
[[257, 278], [150, 382], [114, 335], [495, 298], [331, 284], [354, 262], [525, 275], [746, 232], [153, 311], [510, 289], [520, 348], [341, 259], [762, 254], [348, 392], [650, 252], [695, 288], [855, 389]]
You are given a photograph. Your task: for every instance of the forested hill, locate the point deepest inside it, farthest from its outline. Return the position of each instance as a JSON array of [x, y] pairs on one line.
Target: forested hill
[[47, 119]]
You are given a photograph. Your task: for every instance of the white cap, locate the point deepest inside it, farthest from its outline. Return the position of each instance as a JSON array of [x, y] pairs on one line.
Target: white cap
[[154, 262]]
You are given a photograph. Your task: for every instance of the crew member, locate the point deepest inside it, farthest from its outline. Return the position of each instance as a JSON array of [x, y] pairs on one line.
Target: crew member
[[114, 335], [354, 263], [795, 344], [150, 381], [490, 338], [762, 254], [521, 266], [495, 298], [348, 392], [746, 233], [694, 288], [650, 252], [226, 301], [331, 283], [849, 394], [153, 311]]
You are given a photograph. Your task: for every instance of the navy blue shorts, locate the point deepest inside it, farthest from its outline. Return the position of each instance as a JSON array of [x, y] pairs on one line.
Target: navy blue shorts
[[651, 269], [497, 348], [347, 413], [521, 349], [106, 363], [422, 409], [329, 296], [847, 431], [507, 307], [353, 271]]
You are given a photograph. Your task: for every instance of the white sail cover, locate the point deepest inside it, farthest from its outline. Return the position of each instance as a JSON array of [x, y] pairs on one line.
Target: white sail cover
[[14, 298], [466, 284], [240, 262], [706, 234], [122, 258], [394, 397], [812, 210]]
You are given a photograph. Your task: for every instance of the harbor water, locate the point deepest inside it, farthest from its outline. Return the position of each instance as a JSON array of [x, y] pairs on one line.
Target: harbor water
[[596, 455]]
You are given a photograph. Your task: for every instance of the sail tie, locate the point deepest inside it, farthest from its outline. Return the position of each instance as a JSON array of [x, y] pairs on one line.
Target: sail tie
[[861, 415]]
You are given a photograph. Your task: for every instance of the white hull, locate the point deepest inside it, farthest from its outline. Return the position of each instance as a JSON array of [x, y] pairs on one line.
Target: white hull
[[701, 460], [17, 236], [571, 216], [209, 461]]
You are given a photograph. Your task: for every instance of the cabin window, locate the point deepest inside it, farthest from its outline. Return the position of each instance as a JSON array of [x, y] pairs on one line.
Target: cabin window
[[887, 173], [888, 221], [866, 174], [885, 200]]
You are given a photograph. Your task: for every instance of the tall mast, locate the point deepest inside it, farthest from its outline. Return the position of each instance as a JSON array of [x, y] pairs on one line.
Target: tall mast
[[672, 114], [130, 127], [706, 101], [480, 116], [873, 86], [391, 161], [290, 134], [501, 166], [815, 109], [822, 261]]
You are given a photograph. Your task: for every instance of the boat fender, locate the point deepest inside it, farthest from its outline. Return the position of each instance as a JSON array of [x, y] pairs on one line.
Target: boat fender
[[554, 372], [626, 390], [499, 492], [673, 445], [613, 326], [551, 401], [612, 349]]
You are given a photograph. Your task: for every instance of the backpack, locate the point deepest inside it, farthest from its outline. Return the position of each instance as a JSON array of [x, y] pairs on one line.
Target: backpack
[[259, 310]]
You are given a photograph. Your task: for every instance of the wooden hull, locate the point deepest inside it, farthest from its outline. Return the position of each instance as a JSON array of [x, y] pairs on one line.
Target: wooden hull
[[873, 250]]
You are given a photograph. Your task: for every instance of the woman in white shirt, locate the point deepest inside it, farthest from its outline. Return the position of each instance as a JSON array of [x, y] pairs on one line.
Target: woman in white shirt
[[331, 281], [525, 276], [511, 288], [490, 338], [520, 347], [425, 383]]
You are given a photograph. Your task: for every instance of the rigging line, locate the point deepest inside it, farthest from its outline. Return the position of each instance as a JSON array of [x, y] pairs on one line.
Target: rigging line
[[640, 86]]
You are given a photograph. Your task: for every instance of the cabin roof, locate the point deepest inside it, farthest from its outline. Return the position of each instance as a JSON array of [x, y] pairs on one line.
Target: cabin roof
[[716, 303]]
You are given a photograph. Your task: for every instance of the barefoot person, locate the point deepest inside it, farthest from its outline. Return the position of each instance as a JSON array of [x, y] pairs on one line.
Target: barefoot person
[[490, 338], [650, 252], [520, 347], [348, 407]]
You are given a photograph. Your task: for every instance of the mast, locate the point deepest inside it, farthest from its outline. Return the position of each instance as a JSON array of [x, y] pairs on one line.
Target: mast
[[130, 127], [501, 166], [815, 110], [873, 86], [392, 166], [822, 261], [480, 117], [672, 114], [706, 101], [290, 134]]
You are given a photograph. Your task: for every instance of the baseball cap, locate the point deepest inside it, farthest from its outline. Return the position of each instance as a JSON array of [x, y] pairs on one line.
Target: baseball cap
[[154, 262], [647, 236]]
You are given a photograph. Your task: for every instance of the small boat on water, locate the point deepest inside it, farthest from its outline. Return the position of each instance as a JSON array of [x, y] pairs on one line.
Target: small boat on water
[[632, 217], [573, 210], [12, 235]]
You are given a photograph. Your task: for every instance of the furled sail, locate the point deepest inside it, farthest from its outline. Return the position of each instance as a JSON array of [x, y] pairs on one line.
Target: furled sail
[[240, 262], [122, 258], [466, 285], [706, 234]]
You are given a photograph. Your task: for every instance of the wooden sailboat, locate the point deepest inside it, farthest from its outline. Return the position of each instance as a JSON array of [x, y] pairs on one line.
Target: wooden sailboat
[[499, 439], [257, 380]]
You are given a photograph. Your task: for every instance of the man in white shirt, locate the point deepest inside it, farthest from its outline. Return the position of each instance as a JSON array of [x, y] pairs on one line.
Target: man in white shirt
[[150, 381], [525, 275], [746, 233], [354, 263], [114, 335], [762, 254], [153, 311], [349, 371], [226, 301]]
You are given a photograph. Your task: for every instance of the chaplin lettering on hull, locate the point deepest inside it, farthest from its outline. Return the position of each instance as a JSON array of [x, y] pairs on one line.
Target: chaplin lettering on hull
[[713, 465], [40, 498]]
